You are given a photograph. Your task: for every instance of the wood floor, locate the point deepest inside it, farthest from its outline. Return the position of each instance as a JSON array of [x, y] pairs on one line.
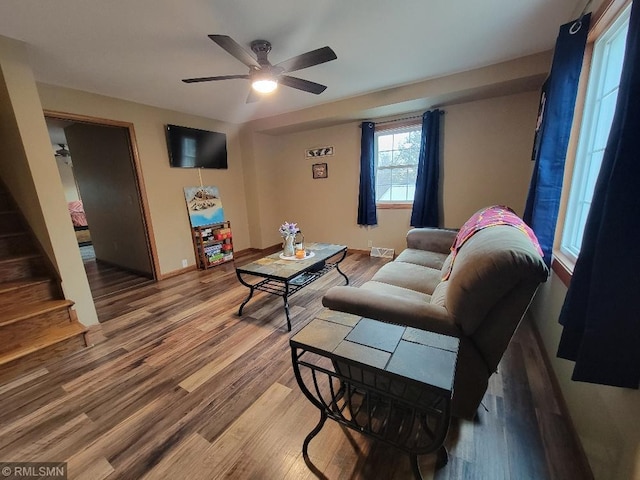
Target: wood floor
[[184, 388], [105, 279]]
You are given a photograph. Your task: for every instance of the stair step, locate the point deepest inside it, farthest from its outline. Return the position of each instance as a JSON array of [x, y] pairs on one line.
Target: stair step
[[19, 258], [36, 324], [28, 290], [45, 339], [7, 287], [23, 266], [15, 243], [22, 312]]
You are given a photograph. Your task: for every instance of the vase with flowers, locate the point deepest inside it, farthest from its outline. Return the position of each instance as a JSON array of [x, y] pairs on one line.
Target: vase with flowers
[[288, 232]]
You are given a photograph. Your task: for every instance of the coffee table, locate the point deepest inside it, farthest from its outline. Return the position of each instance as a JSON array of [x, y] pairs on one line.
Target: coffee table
[[284, 277], [390, 382]]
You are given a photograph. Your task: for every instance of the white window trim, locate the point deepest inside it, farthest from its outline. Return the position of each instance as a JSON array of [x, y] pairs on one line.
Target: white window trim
[[606, 15], [404, 127], [586, 149]]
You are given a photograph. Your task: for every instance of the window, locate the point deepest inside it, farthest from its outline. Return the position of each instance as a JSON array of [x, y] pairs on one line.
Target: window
[[189, 151], [599, 108], [397, 153]]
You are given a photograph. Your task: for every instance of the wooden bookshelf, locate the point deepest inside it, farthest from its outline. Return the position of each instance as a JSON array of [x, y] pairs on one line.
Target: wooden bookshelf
[[213, 244]]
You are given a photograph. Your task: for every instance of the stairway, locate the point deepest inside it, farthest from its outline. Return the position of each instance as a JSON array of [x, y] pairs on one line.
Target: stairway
[[36, 322]]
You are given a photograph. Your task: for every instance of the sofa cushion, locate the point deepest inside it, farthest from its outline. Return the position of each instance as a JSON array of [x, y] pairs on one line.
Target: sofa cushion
[[431, 239], [399, 292], [422, 257], [446, 265], [439, 295], [409, 275]]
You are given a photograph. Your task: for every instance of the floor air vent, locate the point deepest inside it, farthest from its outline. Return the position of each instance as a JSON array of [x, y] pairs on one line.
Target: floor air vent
[[382, 252]]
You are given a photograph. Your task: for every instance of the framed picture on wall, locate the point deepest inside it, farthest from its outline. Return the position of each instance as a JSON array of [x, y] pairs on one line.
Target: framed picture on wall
[[320, 170], [319, 152]]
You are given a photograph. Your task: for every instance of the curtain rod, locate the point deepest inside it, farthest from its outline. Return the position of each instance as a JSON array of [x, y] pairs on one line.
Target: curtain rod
[[399, 120], [403, 119], [577, 24]]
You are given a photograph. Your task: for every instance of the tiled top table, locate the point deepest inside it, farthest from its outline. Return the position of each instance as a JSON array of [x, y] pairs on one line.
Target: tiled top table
[[285, 277], [390, 382]]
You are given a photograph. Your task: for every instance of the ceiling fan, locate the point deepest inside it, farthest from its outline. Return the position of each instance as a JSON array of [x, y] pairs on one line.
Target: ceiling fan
[[62, 151], [264, 76]]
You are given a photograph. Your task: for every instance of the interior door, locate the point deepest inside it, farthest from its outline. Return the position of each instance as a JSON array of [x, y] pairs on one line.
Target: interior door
[[106, 177]]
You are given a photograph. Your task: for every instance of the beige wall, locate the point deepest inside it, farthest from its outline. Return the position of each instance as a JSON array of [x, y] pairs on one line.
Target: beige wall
[[261, 157], [164, 185], [31, 175], [487, 154], [486, 160], [606, 418]]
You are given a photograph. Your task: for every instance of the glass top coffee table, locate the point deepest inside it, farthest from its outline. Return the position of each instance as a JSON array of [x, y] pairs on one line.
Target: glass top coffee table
[[284, 277]]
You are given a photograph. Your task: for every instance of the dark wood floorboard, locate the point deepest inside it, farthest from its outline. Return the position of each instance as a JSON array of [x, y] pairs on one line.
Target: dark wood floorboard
[[184, 388], [105, 279]]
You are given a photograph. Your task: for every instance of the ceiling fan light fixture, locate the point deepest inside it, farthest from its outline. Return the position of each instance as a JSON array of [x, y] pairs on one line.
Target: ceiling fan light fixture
[[264, 76], [264, 85]]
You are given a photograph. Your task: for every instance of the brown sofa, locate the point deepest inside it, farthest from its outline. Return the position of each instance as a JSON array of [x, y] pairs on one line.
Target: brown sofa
[[494, 277]]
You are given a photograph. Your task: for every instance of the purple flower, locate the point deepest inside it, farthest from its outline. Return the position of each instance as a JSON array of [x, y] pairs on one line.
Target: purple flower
[[287, 229]]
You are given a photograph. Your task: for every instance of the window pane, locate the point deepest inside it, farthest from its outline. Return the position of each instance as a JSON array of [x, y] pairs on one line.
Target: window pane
[[398, 193], [616, 49], [604, 119], [399, 140], [383, 177], [396, 168], [384, 159], [599, 110], [383, 192], [385, 142], [592, 173], [412, 176], [399, 176]]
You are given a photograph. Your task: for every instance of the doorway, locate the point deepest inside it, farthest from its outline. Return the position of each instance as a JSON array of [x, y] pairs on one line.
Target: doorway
[[98, 165]]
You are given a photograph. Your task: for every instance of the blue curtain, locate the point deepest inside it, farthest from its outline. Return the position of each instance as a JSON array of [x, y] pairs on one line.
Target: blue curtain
[[600, 315], [555, 115], [367, 214], [426, 207]]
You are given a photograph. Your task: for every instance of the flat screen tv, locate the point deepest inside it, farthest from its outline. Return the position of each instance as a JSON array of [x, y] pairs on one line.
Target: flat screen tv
[[193, 148]]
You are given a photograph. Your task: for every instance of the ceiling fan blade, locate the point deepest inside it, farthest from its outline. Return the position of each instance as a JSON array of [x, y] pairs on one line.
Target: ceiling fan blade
[[232, 47], [301, 84], [309, 59], [211, 79], [253, 96]]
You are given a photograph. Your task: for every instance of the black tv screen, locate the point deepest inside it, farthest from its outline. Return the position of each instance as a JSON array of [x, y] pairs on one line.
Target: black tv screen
[[193, 148]]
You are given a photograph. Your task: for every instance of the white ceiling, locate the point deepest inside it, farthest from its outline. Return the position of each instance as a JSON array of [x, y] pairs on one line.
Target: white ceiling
[[140, 50]]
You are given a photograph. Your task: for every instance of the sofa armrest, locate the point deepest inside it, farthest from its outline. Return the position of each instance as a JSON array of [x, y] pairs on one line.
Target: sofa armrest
[[390, 309], [432, 239]]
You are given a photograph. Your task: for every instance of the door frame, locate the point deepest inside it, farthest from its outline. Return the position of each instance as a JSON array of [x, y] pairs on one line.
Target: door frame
[[137, 172]]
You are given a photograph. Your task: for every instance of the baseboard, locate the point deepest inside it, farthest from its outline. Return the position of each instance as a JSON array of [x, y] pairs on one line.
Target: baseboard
[[127, 269], [253, 251], [175, 273], [557, 390]]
